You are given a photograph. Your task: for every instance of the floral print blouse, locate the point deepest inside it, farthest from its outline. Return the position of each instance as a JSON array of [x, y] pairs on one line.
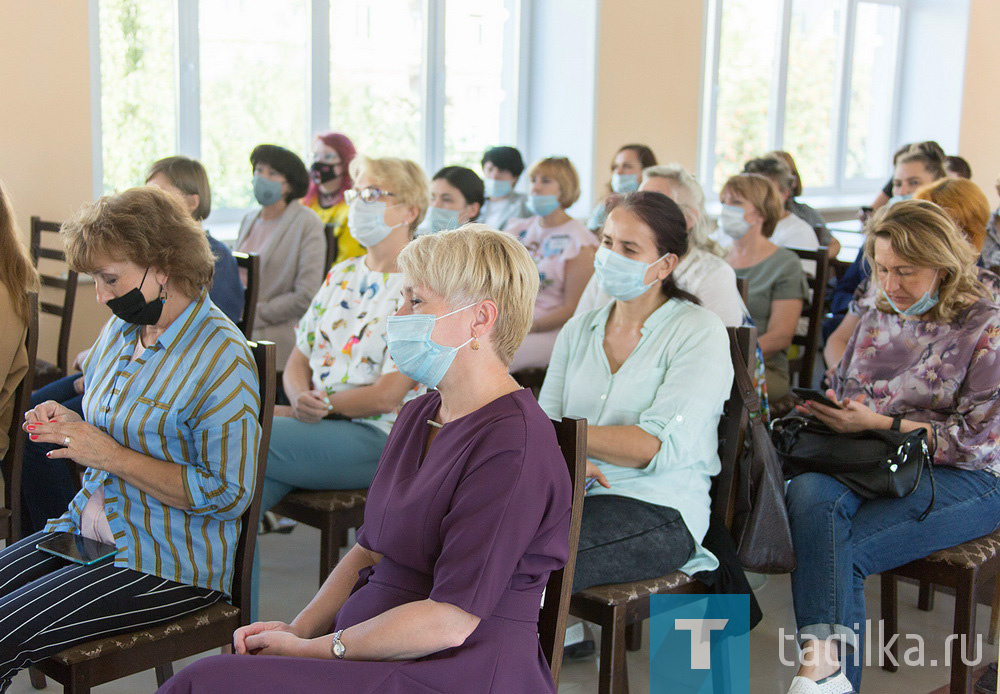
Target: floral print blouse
[[945, 374], [343, 331]]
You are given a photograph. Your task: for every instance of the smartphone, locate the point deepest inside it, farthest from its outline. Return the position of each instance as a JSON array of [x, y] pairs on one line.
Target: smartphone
[[816, 396], [77, 548]]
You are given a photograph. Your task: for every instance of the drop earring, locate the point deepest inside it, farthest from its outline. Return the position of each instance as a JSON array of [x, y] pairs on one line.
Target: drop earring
[[475, 344]]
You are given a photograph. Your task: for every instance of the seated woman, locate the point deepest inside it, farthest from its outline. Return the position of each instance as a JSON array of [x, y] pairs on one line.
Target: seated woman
[[563, 250], [17, 278], [967, 206], [329, 179], [289, 239], [626, 174], [343, 385], [751, 207], [171, 401], [929, 148], [457, 196], [46, 486], [466, 518], [930, 303], [650, 372], [502, 167], [804, 211], [702, 272]]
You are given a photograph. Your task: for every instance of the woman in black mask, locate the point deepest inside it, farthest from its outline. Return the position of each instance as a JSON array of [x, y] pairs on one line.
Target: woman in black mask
[[329, 179]]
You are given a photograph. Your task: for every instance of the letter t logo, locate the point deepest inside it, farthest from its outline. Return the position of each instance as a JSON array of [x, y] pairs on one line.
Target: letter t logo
[[701, 643]]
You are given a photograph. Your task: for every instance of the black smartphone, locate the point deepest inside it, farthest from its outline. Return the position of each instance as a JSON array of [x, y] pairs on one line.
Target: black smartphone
[[816, 396], [77, 548]]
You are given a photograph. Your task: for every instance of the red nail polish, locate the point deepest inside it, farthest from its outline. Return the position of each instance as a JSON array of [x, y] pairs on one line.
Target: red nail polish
[[31, 427], [34, 437], [49, 454]]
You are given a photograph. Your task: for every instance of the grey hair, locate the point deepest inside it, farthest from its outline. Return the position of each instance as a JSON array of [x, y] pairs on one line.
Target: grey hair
[[692, 202]]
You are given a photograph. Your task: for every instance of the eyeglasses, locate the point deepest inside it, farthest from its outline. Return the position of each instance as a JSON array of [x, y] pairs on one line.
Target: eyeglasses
[[368, 195]]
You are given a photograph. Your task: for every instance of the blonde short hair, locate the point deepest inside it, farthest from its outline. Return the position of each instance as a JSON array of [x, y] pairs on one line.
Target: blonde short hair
[[923, 234], [146, 226], [761, 192], [405, 178], [474, 263], [562, 170], [964, 202], [188, 176], [691, 202]]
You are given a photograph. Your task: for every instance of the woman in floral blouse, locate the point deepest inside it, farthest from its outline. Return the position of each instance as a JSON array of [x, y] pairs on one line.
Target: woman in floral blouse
[[344, 387], [927, 357]]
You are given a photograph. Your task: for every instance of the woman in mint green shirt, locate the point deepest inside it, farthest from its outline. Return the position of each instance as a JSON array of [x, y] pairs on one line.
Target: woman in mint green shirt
[[650, 372]]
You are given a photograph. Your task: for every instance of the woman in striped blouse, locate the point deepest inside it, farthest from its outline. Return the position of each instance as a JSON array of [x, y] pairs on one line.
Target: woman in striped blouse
[[168, 441]]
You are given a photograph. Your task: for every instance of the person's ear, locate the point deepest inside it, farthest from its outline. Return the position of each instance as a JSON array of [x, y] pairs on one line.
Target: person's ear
[[470, 212], [485, 316], [192, 201]]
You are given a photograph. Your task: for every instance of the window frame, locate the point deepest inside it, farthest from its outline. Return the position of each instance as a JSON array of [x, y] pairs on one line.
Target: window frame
[[841, 188], [187, 129]]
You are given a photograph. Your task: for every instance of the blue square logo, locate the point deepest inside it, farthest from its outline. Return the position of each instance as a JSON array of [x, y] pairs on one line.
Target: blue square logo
[[698, 644]]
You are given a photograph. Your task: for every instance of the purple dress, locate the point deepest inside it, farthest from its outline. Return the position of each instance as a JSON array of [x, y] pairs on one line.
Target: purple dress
[[479, 523]]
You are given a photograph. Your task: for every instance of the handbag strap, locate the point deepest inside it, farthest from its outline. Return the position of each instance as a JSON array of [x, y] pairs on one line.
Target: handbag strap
[[743, 381]]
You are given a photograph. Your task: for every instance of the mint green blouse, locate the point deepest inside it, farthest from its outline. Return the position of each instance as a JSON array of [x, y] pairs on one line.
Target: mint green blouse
[[673, 386]]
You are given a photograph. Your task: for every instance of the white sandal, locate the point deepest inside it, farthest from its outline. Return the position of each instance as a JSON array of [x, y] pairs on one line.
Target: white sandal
[[835, 684]]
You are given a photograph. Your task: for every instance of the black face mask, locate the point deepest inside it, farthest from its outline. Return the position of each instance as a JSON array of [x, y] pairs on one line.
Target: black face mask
[[132, 306], [322, 172]]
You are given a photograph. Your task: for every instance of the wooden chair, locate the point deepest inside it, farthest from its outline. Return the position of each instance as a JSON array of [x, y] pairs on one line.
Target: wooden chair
[[47, 372], [531, 378], [571, 433], [620, 609], [961, 568], [332, 246], [813, 310], [10, 464], [743, 287], [93, 663], [251, 263]]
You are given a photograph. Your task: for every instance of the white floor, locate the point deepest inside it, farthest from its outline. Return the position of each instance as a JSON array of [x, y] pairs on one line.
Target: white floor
[[290, 564]]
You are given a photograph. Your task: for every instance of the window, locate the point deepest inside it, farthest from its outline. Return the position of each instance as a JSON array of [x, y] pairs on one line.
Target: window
[[814, 77], [429, 80]]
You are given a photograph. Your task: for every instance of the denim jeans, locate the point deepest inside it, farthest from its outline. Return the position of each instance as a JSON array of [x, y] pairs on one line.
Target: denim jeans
[[47, 486], [841, 538], [624, 539]]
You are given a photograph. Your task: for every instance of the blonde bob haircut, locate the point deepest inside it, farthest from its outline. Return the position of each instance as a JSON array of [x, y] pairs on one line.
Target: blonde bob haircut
[[921, 233], [691, 200], [146, 226], [188, 176], [402, 177], [564, 173], [474, 263], [964, 202], [761, 192]]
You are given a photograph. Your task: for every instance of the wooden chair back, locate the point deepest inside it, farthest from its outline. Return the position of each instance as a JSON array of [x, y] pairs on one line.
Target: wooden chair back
[[732, 429], [63, 307], [251, 263], [813, 310], [332, 246], [743, 287], [10, 514], [571, 433]]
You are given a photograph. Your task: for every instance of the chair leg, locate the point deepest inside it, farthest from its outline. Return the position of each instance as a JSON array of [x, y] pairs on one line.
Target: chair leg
[[925, 599], [613, 674], [37, 678], [890, 618], [991, 638], [965, 629], [163, 673], [633, 637]]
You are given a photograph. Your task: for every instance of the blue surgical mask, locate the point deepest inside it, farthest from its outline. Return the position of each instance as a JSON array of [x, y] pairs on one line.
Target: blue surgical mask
[[733, 222], [415, 353], [621, 277], [921, 306], [542, 205], [624, 183], [366, 220], [265, 190], [495, 188], [899, 198], [440, 219]]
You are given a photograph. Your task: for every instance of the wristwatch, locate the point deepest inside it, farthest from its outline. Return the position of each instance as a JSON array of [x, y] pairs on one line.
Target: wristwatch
[[337, 647]]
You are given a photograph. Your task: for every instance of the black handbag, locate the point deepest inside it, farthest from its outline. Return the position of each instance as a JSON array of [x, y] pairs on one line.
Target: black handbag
[[872, 463]]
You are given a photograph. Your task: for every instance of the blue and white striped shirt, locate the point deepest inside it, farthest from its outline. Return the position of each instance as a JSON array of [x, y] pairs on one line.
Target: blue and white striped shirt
[[192, 398]]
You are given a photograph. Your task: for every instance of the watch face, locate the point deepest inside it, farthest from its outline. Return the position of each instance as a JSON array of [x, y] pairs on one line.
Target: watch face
[[338, 648]]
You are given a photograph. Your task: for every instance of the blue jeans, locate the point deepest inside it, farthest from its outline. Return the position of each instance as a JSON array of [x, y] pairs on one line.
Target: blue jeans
[[47, 486], [329, 454], [841, 538]]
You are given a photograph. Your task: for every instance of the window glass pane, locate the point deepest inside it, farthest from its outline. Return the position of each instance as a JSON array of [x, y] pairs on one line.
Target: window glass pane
[[376, 56], [810, 99], [746, 65], [873, 77], [474, 94], [138, 117], [253, 88]]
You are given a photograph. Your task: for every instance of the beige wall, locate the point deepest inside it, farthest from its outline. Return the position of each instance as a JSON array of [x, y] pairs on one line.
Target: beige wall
[[979, 141], [648, 81], [45, 151]]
